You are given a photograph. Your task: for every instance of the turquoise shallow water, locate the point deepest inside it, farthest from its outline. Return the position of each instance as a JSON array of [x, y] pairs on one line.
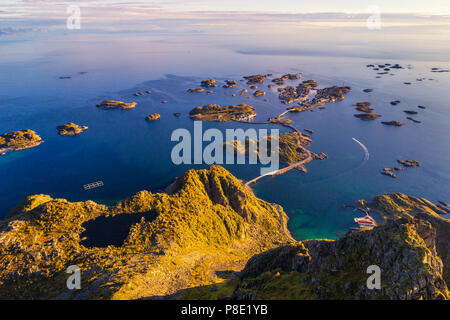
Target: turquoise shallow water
[[129, 154]]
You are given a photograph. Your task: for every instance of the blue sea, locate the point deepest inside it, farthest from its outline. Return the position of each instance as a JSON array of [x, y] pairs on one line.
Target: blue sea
[[130, 154]]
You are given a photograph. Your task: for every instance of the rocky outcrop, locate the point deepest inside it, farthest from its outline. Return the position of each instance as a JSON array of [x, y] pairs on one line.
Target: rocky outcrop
[[393, 123], [197, 90], [403, 249], [113, 104], [410, 163], [364, 107], [367, 116], [389, 172], [255, 79], [230, 84], [209, 83], [70, 129], [410, 249], [242, 92], [397, 205], [413, 120], [153, 117], [258, 93]]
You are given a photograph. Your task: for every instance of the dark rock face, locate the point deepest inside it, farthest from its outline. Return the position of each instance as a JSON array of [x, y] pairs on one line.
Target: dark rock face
[[404, 250]]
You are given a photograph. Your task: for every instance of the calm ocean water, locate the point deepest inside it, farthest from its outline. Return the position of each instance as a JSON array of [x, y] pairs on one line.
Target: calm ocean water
[[129, 154]]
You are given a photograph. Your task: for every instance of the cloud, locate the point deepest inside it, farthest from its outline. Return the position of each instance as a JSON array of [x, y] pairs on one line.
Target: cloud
[[15, 30], [103, 16]]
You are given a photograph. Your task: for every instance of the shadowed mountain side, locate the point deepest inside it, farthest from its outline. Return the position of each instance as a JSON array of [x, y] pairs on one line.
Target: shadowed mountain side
[[411, 249]]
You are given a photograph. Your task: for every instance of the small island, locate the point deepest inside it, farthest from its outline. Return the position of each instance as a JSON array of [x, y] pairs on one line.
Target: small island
[[230, 84], [19, 140], [291, 148], [70, 129], [364, 107], [410, 163], [209, 83], [153, 117], [413, 120], [196, 90], [214, 112], [367, 116], [113, 104], [393, 123], [255, 79], [290, 94], [388, 172], [325, 95], [243, 91]]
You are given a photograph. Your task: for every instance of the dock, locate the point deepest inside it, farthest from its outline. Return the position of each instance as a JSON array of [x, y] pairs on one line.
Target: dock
[[93, 185]]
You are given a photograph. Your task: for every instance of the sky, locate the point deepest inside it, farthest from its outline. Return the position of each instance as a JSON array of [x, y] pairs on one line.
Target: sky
[[307, 6], [285, 6], [19, 17]]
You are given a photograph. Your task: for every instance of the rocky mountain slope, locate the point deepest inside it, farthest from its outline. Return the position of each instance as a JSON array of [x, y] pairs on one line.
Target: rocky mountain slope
[[209, 224], [410, 248], [209, 237]]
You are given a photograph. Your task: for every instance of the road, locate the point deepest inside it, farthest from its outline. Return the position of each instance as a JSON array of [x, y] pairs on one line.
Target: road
[[278, 172]]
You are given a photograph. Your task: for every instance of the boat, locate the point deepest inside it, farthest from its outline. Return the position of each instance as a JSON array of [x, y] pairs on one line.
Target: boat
[[366, 222]]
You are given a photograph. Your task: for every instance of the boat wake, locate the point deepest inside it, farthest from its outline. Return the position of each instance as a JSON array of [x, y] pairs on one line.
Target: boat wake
[[366, 151]]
